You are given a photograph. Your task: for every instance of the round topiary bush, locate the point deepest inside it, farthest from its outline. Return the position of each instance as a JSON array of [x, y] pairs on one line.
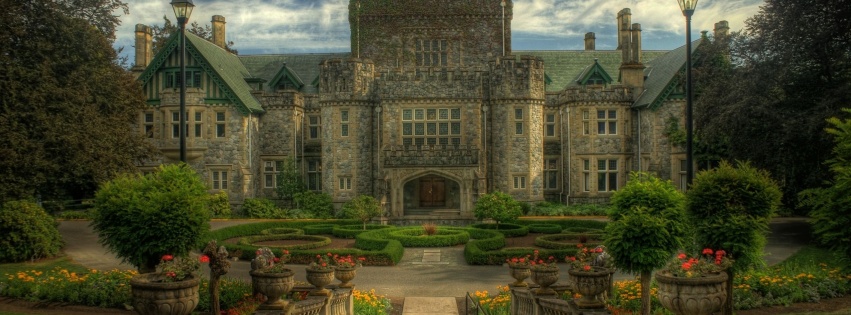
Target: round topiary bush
[[416, 237], [350, 231], [142, 218], [544, 228], [507, 229], [28, 232]]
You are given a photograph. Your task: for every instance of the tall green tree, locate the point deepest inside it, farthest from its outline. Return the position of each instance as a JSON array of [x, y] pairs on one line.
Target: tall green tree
[[498, 206], [647, 225], [99, 13], [66, 106], [161, 33], [362, 208], [289, 181], [790, 70]]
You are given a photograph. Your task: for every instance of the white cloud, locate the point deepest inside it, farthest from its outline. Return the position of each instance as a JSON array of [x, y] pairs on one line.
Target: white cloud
[[279, 26]]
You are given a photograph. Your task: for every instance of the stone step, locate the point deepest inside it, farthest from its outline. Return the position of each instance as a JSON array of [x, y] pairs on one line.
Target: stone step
[[430, 306]]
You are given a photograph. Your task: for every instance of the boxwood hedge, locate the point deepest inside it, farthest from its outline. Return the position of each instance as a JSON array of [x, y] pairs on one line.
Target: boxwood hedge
[[415, 237], [507, 229]]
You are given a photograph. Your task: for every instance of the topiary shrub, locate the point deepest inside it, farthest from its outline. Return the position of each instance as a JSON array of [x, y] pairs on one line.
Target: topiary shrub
[[362, 208], [220, 205], [498, 206], [142, 218], [28, 232], [416, 237], [317, 205], [544, 228], [261, 208]]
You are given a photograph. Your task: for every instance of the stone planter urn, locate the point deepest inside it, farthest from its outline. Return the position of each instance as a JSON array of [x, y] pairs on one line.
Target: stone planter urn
[[345, 275], [520, 273], [273, 286], [320, 278], [590, 284], [152, 296], [545, 277], [693, 296]]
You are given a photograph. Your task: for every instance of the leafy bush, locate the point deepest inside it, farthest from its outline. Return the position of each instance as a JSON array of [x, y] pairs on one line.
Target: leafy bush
[[74, 215], [261, 208], [28, 232], [141, 218], [350, 231], [231, 293], [220, 205], [362, 208], [498, 206], [319, 229], [416, 237], [544, 228], [318, 205], [98, 288], [507, 229], [316, 241], [555, 209], [567, 241]]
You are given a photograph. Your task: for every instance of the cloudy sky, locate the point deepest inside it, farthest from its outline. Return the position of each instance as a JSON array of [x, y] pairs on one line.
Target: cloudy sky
[[299, 26]]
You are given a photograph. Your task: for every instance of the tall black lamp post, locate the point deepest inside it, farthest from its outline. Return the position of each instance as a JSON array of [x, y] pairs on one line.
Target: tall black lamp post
[[688, 6], [182, 10]]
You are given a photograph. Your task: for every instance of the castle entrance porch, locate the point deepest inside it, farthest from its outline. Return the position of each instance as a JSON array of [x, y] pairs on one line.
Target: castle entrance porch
[[432, 195]]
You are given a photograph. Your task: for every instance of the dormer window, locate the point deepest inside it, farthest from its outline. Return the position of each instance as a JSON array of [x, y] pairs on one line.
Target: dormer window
[[172, 78]]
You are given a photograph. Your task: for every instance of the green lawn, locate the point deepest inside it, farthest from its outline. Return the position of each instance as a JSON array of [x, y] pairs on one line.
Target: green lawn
[[47, 264]]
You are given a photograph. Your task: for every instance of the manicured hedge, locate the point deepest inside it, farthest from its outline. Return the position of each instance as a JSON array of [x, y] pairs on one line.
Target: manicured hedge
[[319, 229], [482, 243], [282, 231], [568, 223], [415, 237], [507, 229], [584, 230], [352, 230], [318, 241], [544, 228], [566, 241]]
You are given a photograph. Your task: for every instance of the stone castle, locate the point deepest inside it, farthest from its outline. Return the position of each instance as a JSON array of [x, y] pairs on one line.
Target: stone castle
[[430, 109]]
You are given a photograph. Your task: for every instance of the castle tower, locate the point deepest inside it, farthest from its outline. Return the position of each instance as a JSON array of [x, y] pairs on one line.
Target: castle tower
[[348, 123], [517, 103]]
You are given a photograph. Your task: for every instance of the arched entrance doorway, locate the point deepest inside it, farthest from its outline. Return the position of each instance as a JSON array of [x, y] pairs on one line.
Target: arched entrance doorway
[[432, 194]]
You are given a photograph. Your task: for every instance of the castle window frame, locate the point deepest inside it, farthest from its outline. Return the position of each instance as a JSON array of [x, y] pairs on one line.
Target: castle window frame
[[175, 124], [198, 120], [551, 171], [607, 122], [221, 124], [682, 180], [148, 124], [314, 174], [431, 52], [520, 182], [219, 178], [314, 127], [431, 126], [518, 121], [345, 182], [344, 123], [271, 168], [586, 175], [550, 125], [171, 78], [586, 122], [608, 171]]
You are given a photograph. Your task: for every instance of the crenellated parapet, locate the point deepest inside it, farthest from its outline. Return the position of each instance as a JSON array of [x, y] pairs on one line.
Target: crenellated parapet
[[282, 99], [346, 79], [457, 83], [617, 93], [517, 79]]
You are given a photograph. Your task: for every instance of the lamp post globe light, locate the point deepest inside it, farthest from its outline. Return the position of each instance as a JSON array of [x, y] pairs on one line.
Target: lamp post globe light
[[182, 11], [688, 6]]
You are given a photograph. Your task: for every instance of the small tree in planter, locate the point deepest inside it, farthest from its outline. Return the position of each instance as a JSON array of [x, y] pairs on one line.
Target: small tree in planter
[[142, 218], [647, 225], [730, 208], [362, 208], [498, 206]]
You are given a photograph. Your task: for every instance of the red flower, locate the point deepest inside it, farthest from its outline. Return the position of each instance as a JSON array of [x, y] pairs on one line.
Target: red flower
[[204, 259], [329, 254], [362, 258], [168, 257], [720, 253], [599, 249], [707, 251], [286, 252], [579, 245], [681, 256], [572, 258], [324, 264], [276, 259], [171, 274], [587, 268], [686, 266]]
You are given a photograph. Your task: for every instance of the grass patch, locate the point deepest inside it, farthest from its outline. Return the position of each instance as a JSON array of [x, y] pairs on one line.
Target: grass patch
[[61, 262]]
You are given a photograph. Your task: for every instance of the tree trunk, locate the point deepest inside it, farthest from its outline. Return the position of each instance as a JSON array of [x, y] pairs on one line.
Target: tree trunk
[[364, 225], [645, 292], [214, 294], [728, 306]]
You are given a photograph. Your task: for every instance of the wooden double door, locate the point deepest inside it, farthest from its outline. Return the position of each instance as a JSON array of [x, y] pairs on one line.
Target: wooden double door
[[432, 192]]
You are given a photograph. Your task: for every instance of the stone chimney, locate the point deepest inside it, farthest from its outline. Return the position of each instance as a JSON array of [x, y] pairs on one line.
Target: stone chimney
[[590, 41], [722, 29], [632, 70], [144, 48], [624, 20], [218, 23]]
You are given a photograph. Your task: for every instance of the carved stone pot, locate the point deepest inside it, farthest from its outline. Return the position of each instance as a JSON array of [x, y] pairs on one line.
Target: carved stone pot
[[590, 284], [345, 275], [519, 274], [152, 296], [545, 277], [320, 278], [273, 286], [692, 296]]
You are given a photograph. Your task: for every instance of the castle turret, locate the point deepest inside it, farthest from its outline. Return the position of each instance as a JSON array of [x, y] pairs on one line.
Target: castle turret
[[144, 48]]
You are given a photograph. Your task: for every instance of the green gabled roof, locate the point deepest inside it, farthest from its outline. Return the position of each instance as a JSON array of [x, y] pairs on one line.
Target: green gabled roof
[[592, 70], [563, 67], [225, 69], [660, 76], [303, 66], [286, 74]]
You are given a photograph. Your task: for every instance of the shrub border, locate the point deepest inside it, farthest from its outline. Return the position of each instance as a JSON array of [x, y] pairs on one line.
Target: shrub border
[[511, 230], [318, 241], [446, 236]]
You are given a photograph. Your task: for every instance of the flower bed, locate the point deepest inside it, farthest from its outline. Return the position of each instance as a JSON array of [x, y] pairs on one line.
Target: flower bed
[[416, 237]]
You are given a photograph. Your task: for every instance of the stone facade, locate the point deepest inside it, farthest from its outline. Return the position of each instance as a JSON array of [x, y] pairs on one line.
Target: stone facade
[[427, 113]]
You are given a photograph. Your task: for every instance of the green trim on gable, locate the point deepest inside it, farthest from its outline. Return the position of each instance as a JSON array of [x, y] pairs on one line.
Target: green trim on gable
[[547, 79], [286, 74], [595, 71]]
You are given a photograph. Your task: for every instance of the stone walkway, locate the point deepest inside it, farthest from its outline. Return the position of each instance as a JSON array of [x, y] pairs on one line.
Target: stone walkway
[[427, 277]]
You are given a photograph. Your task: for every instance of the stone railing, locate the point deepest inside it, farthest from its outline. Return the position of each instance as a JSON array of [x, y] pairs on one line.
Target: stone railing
[[431, 155], [339, 302], [525, 302]]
